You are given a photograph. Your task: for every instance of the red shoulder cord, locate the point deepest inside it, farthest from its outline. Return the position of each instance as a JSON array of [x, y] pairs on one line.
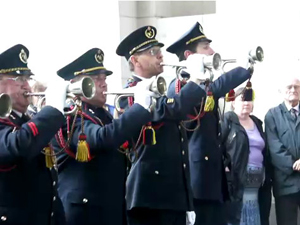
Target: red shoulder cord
[[60, 138], [9, 123], [138, 142], [130, 99], [199, 115]]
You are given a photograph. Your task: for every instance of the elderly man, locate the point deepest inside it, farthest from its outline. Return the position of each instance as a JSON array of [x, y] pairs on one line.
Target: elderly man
[[158, 185], [28, 181], [92, 169], [283, 135], [205, 148]]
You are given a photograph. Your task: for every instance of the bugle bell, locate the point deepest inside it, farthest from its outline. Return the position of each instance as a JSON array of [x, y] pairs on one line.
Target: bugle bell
[[256, 54], [82, 88], [211, 62], [5, 105], [158, 86]]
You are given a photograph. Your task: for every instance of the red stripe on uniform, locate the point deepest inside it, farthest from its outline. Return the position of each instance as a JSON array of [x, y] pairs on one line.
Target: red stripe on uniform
[[33, 128]]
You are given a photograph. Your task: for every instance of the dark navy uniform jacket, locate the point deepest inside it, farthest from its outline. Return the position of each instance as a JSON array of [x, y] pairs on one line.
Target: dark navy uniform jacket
[[205, 150], [27, 188], [159, 178], [94, 192]]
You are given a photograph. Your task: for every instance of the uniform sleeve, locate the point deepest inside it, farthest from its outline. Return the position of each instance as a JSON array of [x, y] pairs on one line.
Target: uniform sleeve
[[280, 155], [177, 106], [113, 135], [31, 138], [228, 81]]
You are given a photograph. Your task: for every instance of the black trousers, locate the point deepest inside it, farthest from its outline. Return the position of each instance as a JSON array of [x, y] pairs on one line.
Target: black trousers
[[209, 212], [145, 216], [287, 209]]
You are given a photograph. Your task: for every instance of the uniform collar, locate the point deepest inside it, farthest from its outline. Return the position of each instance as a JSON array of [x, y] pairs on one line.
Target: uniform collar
[[91, 108], [139, 78], [19, 114]]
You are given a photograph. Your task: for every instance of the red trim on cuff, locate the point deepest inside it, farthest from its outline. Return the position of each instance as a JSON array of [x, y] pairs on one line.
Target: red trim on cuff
[[33, 128]]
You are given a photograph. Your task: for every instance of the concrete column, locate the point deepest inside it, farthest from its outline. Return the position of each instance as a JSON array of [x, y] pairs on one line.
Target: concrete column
[[134, 14]]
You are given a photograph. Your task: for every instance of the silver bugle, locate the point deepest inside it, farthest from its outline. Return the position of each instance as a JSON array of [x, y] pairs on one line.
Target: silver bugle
[[85, 87], [210, 62], [158, 86], [5, 105]]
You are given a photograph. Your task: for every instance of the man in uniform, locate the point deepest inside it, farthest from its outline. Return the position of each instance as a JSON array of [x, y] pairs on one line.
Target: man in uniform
[[28, 192], [158, 187], [205, 151], [92, 188]]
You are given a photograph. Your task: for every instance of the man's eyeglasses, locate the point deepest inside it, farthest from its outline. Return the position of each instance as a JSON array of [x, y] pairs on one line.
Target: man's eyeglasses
[[152, 51], [19, 79], [296, 87]]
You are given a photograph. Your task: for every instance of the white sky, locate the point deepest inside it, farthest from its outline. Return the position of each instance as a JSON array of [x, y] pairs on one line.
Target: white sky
[[56, 32]]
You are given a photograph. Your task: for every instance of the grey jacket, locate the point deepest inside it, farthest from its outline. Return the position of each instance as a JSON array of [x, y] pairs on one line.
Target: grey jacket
[[283, 136]]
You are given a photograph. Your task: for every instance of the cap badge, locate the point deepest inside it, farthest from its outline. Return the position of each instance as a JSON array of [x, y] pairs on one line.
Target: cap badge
[[23, 56], [99, 57], [149, 32], [201, 29]]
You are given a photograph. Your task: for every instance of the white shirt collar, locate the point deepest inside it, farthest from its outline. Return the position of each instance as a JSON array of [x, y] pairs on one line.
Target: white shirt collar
[[142, 78], [289, 107], [18, 113]]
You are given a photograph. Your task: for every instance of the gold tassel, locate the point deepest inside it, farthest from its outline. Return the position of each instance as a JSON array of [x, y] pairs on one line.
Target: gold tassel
[[154, 137], [83, 149], [209, 103], [149, 135], [230, 96], [50, 157]]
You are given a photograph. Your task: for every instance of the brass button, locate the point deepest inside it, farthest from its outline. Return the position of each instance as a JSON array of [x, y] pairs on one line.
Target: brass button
[[3, 218], [219, 145], [219, 134], [206, 158], [156, 172], [85, 200], [54, 198], [52, 214], [182, 140], [184, 165], [183, 152], [54, 183], [179, 127]]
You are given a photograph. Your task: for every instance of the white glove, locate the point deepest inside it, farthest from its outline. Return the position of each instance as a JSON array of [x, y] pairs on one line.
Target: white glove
[[190, 218], [142, 93], [56, 93], [195, 66]]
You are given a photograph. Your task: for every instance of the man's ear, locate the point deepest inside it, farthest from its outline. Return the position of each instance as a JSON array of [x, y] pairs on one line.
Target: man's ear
[[133, 59], [187, 53]]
